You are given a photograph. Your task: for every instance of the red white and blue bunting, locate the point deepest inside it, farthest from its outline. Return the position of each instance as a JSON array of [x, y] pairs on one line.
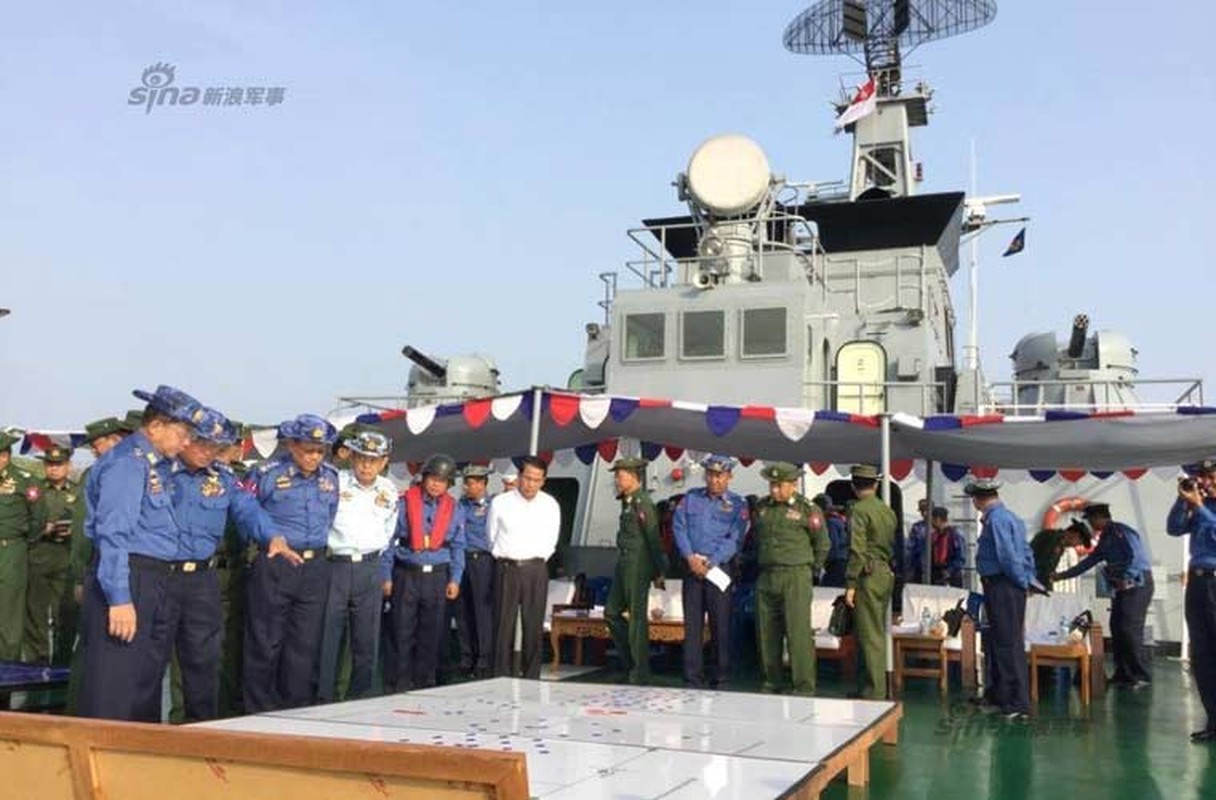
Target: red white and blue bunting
[[1069, 445]]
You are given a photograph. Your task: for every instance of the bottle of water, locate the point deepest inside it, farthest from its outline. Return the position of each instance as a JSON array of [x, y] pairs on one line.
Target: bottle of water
[[926, 621], [1063, 630]]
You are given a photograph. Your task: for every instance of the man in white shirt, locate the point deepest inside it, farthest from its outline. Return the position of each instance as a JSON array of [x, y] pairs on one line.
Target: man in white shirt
[[362, 529], [523, 529]]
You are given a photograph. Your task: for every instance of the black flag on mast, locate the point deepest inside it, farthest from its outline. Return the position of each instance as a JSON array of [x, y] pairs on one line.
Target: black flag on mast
[[1017, 245]]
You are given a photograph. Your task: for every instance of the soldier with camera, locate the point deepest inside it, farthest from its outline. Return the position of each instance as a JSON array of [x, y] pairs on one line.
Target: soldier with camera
[[1194, 513]]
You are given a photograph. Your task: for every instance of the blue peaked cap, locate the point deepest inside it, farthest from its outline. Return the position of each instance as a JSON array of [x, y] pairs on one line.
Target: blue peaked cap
[[308, 428], [173, 402]]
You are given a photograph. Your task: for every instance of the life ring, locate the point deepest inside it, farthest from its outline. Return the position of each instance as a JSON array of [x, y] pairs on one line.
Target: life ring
[[1063, 506]]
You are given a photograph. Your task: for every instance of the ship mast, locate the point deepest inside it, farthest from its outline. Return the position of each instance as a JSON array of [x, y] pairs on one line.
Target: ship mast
[[878, 34]]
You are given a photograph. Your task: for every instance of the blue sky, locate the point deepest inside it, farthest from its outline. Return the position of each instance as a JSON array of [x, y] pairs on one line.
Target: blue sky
[[454, 176]]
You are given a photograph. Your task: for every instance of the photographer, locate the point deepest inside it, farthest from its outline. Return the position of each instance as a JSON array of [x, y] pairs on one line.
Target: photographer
[[1194, 513]]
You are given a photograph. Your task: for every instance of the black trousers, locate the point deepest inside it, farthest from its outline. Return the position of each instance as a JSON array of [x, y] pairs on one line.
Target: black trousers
[[1128, 610], [196, 625], [523, 588], [283, 632], [419, 611], [699, 598], [1201, 619], [1006, 605], [122, 680], [475, 612], [353, 603], [833, 573]]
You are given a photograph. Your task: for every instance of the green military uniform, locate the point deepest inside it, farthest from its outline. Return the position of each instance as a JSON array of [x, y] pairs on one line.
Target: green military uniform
[[792, 545], [640, 561], [49, 605], [19, 493], [872, 526]]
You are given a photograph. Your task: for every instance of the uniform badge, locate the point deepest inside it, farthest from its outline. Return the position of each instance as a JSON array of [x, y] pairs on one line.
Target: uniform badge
[[32, 494], [71, 498], [326, 485], [212, 487], [384, 500], [318, 433], [350, 496], [282, 482], [726, 506], [8, 486], [154, 484], [794, 514], [816, 521]]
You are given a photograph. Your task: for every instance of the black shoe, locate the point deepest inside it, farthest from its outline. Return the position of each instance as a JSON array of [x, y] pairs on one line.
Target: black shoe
[[989, 708], [1205, 735], [1139, 684], [1016, 716]]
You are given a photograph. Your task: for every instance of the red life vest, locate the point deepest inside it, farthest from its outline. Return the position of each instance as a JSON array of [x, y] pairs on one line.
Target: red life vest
[[432, 540]]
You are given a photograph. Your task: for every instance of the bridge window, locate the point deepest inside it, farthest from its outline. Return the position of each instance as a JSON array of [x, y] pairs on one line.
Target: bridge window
[[644, 336], [703, 334], [764, 332]]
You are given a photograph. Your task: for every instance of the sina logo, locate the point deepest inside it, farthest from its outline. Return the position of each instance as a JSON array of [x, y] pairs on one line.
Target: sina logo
[[158, 89]]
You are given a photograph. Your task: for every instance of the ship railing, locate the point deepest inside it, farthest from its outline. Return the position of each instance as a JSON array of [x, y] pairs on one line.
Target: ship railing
[[1150, 394], [872, 397], [658, 269]]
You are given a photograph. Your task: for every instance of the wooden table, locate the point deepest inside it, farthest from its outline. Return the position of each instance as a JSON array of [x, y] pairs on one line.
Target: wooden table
[[929, 647], [582, 626], [1060, 655]]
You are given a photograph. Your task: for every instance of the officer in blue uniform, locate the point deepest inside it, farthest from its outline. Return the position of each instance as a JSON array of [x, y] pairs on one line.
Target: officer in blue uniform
[[1128, 571], [475, 606], [1006, 567], [290, 576], [135, 532], [708, 526], [425, 566], [838, 535], [1194, 513], [205, 496]]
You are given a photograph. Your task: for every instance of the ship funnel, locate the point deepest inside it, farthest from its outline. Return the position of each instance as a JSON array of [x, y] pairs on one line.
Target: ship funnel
[[1076, 342]]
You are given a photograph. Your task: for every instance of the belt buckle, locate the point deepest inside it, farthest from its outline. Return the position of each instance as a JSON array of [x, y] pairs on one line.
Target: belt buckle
[[308, 555], [189, 566], [356, 558], [427, 568]]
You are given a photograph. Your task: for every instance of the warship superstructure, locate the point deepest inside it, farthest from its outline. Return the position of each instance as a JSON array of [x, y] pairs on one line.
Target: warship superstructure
[[834, 295]]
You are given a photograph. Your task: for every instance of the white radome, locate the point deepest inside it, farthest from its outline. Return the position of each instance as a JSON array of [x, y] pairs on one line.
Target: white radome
[[728, 174]]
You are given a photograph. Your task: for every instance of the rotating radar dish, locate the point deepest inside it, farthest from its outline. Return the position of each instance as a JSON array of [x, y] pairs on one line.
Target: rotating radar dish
[[728, 175], [854, 26]]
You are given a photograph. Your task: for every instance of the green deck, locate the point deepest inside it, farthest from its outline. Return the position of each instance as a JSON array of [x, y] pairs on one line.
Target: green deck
[[1131, 745]]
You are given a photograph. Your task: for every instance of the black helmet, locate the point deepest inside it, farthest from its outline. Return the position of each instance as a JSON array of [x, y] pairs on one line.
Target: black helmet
[[440, 466]]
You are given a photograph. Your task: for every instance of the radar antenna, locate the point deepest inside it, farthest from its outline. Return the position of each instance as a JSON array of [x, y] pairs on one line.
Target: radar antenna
[[878, 29], [880, 115]]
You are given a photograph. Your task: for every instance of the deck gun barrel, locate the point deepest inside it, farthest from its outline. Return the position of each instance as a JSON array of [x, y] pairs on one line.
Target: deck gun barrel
[[437, 370], [1076, 343]]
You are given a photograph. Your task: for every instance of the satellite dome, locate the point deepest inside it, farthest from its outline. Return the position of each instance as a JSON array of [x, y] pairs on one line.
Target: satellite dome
[[728, 174]]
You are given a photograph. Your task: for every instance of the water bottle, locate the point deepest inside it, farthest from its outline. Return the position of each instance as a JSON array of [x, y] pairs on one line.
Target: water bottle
[[1063, 630], [926, 621]]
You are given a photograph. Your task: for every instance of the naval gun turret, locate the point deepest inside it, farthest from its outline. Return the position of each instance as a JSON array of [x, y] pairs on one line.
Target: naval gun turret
[[1091, 372], [454, 379]]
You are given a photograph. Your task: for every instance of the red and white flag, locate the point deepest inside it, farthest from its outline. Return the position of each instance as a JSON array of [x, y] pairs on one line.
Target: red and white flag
[[862, 104]]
